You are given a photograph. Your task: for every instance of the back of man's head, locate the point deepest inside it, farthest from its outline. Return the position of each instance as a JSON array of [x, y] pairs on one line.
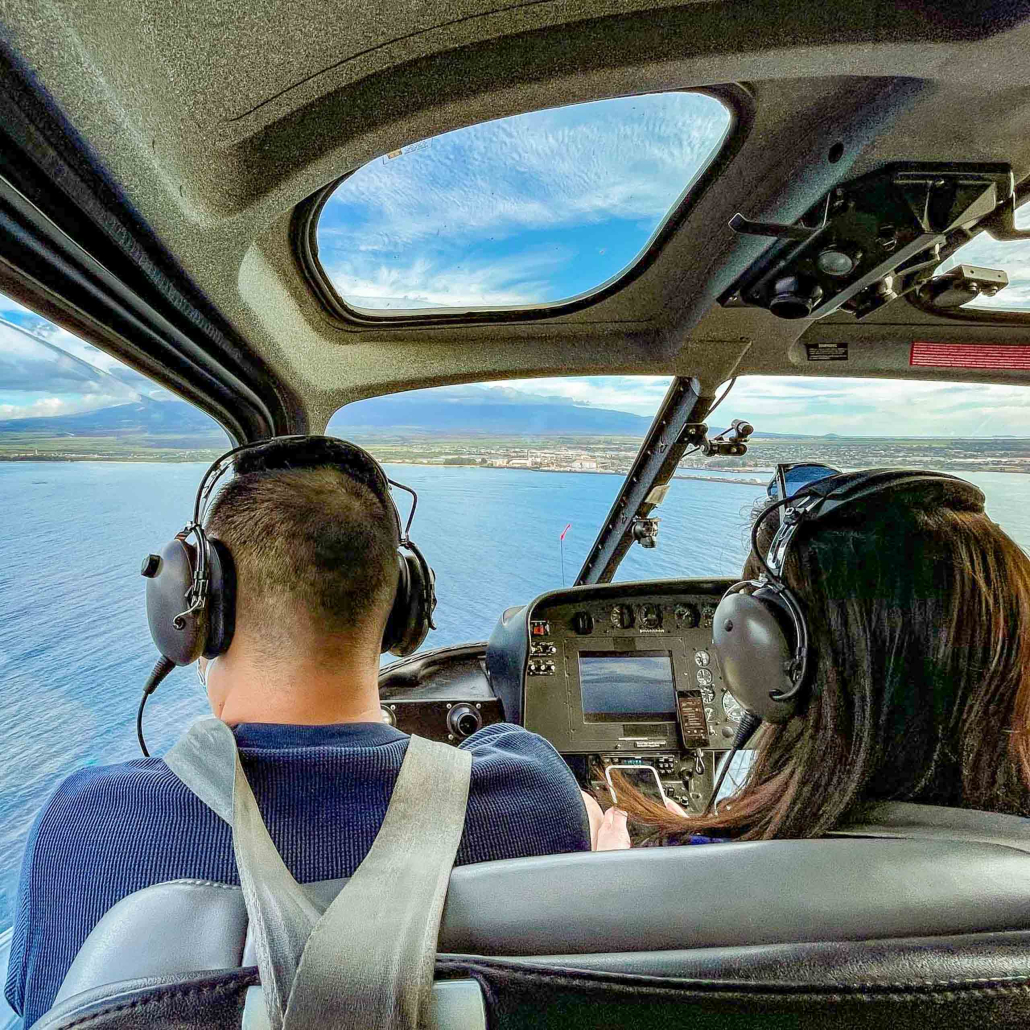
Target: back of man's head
[[316, 560]]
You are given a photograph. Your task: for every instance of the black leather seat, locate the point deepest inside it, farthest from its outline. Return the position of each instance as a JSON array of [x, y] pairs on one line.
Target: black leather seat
[[860, 931]]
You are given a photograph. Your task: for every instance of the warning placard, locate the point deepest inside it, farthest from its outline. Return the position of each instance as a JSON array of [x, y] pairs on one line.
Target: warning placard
[[827, 351]]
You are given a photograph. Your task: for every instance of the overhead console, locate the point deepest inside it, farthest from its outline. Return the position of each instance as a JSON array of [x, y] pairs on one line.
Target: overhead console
[[620, 673], [876, 238]]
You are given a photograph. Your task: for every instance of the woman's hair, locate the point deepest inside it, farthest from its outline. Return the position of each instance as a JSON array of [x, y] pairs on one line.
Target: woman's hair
[[920, 624]]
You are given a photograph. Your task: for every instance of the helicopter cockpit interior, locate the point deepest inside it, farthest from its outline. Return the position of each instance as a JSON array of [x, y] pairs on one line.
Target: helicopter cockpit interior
[[265, 209]]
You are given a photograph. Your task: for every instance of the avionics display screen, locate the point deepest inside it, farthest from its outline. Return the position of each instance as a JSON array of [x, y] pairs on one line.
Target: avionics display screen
[[634, 687]]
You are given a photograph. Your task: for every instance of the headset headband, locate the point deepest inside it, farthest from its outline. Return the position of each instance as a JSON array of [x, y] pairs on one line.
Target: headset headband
[[284, 453], [818, 500]]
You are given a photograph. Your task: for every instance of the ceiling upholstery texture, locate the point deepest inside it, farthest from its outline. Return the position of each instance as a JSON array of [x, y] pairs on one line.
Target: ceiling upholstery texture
[[217, 120]]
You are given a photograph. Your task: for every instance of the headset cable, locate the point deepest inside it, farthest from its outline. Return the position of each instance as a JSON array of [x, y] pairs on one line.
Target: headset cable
[[749, 722], [161, 669]]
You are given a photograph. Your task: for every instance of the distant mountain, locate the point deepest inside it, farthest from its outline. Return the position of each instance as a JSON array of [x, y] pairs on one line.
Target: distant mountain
[[456, 411], [482, 411], [162, 423]]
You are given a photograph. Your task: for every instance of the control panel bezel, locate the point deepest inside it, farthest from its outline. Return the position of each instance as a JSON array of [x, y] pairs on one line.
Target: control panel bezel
[[552, 699]]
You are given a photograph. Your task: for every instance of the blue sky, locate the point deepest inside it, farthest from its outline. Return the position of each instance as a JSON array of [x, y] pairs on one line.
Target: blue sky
[[48, 371], [54, 373], [529, 209]]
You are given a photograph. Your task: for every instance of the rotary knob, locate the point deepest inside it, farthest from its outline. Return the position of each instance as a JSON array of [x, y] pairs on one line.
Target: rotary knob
[[463, 720]]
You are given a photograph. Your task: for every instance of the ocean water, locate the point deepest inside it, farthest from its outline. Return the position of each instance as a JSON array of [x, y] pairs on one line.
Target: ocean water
[[74, 646]]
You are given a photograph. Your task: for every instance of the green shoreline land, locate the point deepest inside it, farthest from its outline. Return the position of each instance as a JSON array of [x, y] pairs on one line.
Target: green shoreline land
[[592, 455]]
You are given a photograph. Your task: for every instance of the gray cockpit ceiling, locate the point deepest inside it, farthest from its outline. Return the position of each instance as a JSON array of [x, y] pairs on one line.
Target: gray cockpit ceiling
[[217, 121]]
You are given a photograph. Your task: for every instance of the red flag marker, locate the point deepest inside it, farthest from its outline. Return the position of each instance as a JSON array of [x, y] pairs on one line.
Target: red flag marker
[[564, 531]]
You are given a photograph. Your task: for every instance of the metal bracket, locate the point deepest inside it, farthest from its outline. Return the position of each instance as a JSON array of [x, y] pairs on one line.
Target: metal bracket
[[744, 226], [645, 532], [671, 433], [1002, 224]]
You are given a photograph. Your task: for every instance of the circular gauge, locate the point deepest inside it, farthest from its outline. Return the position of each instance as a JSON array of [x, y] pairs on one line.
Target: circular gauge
[[731, 706], [707, 695], [707, 615], [622, 616], [650, 616], [686, 615], [703, 659], [704, 677]]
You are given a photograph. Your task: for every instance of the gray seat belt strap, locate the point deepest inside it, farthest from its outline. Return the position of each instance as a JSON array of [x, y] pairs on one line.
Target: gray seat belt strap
[[280, 913], [369, 962], [366, 961]]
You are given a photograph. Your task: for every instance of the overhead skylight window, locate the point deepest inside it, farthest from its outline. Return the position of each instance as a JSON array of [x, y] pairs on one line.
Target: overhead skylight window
[[1013, 257], [524, 211]]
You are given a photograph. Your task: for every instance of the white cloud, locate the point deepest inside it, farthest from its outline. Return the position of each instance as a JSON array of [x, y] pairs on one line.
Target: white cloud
[[878, 407], [48, 406], [47, 371], [477, 195], [27, 319], [640, 395], [428, 283]]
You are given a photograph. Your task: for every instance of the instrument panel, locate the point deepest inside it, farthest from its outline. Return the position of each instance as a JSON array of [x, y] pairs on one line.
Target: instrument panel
[[442, 694], [621, 674], [616, 674], [627, 673]]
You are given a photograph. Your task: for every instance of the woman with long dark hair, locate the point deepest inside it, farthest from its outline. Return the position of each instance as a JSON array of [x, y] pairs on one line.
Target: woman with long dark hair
[[919, 620]]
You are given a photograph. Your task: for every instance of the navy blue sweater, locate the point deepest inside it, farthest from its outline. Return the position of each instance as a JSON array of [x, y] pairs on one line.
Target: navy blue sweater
[[323, 792]]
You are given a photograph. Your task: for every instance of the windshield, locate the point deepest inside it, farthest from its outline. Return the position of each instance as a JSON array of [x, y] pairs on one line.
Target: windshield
[[527, 210], [1012, 257], [502, 471], [978, 431]]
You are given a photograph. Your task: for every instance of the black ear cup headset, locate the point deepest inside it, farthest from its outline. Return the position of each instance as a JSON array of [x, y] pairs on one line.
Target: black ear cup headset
[[759, 631], [191, 582]]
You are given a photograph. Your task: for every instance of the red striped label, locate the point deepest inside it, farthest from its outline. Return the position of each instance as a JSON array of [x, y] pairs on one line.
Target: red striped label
[[971, 355]]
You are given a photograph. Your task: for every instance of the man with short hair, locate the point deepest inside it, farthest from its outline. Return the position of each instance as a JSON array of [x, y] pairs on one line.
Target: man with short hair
[[316, 563]]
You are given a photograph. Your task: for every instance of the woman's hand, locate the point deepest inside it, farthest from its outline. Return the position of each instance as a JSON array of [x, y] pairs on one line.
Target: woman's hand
[[674, 808], [612, 835], [594, 816], [607, 829]]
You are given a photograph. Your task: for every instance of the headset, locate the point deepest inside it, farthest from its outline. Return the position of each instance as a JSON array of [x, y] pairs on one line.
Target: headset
[[759, 632], [191, 582]]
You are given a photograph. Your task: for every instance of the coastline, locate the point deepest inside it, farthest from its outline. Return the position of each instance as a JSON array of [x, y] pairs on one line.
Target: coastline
[[155, 460], [746, 477]]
